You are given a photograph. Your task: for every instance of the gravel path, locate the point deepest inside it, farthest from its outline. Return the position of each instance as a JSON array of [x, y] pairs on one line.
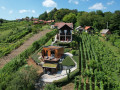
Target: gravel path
[[17, 51]]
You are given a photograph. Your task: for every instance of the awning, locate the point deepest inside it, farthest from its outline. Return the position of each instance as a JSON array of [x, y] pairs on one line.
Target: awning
[[48, 65]]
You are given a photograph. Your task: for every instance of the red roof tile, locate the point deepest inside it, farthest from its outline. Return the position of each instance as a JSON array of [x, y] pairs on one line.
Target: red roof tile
[[87, 27], [61, 24]]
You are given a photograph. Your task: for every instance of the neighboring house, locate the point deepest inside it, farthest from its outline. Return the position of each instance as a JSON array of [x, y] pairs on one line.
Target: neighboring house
[[50, 21], [36, 22], [65, 31], [88, 29], [52, 27], [51, 56], [80, 29], [35, 19], [105, 32]]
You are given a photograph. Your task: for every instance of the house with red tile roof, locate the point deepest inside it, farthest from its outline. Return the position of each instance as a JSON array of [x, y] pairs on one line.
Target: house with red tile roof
[[88, 29], [36, 22], [35, 19], [65, 31]]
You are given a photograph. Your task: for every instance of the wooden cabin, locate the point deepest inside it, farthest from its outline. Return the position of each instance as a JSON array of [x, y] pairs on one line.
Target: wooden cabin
[[51, 56], [105, 32], [65, 31]]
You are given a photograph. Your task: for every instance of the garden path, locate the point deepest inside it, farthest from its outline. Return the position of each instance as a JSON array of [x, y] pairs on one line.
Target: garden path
[[26, 44]]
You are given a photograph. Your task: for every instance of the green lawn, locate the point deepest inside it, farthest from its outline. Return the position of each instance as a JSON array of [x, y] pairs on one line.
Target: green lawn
[[49, 42], [68, 61]]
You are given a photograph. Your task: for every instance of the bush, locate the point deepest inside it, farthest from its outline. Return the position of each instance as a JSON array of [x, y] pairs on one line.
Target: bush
[[73, 52], [23, 79]]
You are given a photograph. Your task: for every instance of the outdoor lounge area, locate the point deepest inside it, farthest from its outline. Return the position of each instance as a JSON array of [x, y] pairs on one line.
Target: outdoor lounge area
[[51, 57]]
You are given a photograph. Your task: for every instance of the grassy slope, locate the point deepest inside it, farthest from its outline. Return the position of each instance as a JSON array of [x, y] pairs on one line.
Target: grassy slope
[[49, 42], [68, 62]]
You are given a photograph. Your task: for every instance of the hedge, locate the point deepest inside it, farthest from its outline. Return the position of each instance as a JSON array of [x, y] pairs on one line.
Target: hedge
[[14, 65]]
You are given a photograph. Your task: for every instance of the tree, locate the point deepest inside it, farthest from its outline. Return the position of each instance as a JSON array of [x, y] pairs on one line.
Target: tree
[[99, 12], [51, 14], [115, 21], [1, 21], [43, 16], [32, 18], [23, 79], [58, 16], [70, 18]]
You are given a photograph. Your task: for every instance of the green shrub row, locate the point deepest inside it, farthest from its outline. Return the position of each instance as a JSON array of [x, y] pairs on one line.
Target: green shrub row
[[10, 68], [7, 48]]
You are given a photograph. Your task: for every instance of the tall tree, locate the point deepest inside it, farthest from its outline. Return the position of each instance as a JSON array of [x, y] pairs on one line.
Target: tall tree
[[43, 16], [60, 14], [51, 14], [70, 18], [115, 21]]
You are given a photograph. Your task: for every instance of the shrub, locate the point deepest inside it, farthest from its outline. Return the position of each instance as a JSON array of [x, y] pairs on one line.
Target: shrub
[[51, 87], [73, 52]]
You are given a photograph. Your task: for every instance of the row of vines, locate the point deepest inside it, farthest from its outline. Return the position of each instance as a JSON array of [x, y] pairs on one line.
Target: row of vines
[[8, 74], [13, 34], [100, 68]]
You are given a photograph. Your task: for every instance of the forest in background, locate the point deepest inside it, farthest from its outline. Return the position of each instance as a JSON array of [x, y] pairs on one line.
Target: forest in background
[[97, 19]]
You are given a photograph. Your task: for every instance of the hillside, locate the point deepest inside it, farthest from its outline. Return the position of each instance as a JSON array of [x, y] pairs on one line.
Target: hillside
[[13, 34], [94, 58]]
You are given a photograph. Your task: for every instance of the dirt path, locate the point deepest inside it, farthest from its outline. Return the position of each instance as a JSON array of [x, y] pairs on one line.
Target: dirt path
[[26, 44], [39, 68]]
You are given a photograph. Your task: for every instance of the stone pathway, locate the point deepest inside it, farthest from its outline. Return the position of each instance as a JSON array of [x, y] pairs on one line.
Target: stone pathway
[[60, 74], [26, 44], [54, 40]]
